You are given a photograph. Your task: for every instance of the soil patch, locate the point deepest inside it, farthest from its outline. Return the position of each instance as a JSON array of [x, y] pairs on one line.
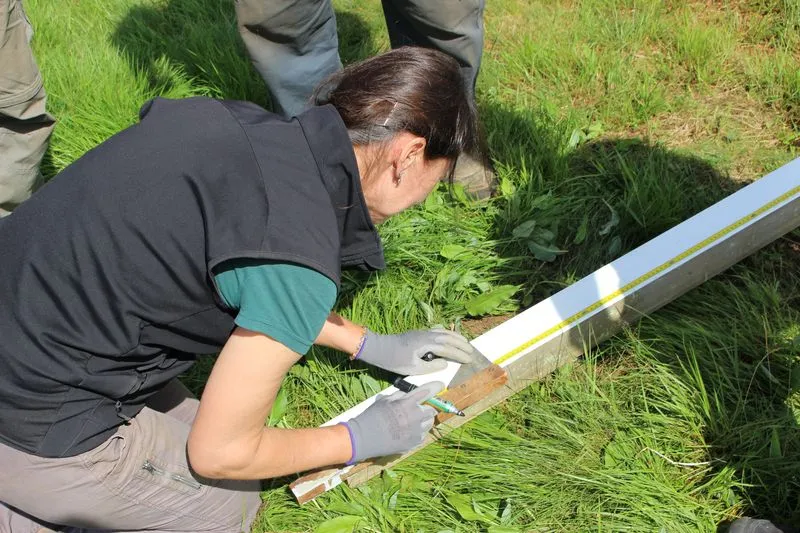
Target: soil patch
[[478, 326]]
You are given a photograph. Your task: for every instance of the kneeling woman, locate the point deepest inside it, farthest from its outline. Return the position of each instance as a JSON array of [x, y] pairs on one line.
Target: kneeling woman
[[211, 225]]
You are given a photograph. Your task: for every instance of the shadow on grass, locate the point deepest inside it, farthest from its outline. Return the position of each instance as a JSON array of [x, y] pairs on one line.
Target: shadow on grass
[[593, 202], [194, 41], [607, 196], [47, 166]]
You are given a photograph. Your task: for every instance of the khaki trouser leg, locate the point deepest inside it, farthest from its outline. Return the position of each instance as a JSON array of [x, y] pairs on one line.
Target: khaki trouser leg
[[25, 126], [138, 480]]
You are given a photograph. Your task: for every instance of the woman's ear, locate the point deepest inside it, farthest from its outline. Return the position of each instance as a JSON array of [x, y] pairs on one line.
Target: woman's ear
[[407, 150], [412, 151]]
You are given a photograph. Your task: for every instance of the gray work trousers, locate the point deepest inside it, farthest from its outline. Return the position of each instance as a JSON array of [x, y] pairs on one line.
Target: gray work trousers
[[138, 480], [293, 43], [25, 126]]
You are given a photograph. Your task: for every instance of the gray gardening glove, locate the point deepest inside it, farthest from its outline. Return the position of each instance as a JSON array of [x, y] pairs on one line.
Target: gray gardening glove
[[393, 424], [402, 353]]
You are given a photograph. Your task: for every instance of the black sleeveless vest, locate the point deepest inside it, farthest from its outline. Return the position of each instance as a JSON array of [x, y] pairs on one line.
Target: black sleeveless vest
[[106, 288]]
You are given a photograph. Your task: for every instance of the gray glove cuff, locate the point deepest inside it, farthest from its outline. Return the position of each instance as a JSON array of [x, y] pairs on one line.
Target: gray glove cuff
[[353, 457], [361, 447], [372, 350]]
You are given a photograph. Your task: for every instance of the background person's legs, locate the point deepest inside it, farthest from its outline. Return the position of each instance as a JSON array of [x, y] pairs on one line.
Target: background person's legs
[[292, 44], [25, 126], [138, 480], [454, 27]]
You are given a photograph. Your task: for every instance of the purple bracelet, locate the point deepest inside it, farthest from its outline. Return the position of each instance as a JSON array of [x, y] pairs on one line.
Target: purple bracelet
[[352, 444], [360, 345]]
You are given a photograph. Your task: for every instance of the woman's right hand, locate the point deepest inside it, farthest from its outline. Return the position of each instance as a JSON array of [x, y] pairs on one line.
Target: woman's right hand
[[405, 353], [393, 424]]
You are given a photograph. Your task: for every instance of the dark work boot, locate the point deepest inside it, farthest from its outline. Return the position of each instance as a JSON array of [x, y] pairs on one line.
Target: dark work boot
[[478, 179], [755, 525]]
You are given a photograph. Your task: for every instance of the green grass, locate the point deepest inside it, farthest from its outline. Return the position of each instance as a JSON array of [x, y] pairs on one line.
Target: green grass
[[609, 121]]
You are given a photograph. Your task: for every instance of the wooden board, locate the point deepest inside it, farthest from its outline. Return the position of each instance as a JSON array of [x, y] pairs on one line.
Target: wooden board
[[464, 396]]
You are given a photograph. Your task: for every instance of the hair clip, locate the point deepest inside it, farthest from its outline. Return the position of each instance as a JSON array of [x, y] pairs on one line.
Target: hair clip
[[385, 122]]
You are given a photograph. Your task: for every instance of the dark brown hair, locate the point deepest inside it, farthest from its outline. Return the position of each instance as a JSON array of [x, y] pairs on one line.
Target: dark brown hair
[[413, 89]]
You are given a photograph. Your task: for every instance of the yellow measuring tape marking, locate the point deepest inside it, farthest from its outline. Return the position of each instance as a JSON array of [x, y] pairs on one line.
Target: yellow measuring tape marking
[[652, 273]]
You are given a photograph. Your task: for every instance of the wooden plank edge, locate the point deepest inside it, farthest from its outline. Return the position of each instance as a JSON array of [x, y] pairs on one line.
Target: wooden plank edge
[[477, 387]]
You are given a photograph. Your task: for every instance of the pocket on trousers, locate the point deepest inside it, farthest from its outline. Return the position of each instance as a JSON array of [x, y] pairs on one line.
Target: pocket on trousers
[[19, 78], [106, 461], [171, 477]]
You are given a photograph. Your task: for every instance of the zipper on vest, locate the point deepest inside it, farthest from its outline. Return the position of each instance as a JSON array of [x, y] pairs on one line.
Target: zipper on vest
[[156, 471]]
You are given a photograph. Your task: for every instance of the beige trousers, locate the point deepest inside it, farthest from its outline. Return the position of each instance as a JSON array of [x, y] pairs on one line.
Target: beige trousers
[[25, 126], [138, 480]]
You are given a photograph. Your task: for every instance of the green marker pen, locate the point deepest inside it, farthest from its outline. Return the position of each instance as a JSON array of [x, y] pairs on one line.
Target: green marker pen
[[437, 403]]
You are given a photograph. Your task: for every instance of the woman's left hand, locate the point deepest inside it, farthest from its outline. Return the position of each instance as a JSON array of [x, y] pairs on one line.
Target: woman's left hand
[[403, 353]]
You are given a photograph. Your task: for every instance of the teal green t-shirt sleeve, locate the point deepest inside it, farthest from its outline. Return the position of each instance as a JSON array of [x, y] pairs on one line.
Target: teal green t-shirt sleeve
[[284, 301]]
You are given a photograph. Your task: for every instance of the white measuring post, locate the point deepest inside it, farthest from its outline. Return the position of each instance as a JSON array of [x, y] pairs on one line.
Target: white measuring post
[[559, 329]]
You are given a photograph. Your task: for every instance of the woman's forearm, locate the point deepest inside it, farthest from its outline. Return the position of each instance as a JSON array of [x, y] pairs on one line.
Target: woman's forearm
[[228, 438], [340, 334], [282, 452]]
